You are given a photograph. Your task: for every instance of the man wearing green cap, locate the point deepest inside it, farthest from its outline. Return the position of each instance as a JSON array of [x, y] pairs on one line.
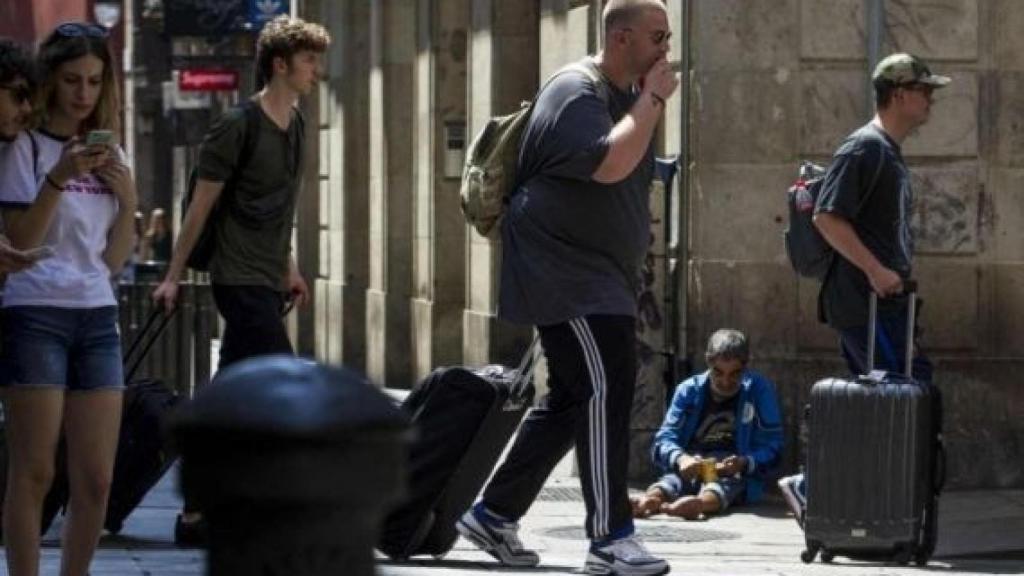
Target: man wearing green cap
[[863, 211]]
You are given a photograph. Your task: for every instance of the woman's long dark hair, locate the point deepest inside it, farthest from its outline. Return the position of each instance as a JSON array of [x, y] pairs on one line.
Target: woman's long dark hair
[[59, 48]]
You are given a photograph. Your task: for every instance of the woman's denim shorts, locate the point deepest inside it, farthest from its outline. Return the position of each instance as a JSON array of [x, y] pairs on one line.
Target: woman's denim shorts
[[73, 348]]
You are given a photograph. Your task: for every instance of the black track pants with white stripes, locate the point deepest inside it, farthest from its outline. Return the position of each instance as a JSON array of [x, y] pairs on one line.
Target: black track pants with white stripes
[[591, 377]]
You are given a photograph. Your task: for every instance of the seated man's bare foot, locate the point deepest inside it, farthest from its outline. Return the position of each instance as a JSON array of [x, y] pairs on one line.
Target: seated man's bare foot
[[647, 505], [687, 507]]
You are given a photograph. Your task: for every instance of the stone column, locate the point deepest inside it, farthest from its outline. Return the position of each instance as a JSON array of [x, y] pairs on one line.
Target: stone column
[[392, 170], [439, 241], [503, 70], [337, 187]]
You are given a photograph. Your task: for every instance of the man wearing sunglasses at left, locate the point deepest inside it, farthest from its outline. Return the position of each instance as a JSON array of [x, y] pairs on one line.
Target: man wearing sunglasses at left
[[16, 86]]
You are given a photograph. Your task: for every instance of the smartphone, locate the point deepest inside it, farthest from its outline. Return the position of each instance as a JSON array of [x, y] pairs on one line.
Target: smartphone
[[40, 252], [99, 138]]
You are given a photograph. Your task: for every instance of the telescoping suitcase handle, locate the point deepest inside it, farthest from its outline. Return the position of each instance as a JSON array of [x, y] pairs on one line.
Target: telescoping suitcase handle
[[145, 338], [910, 290]]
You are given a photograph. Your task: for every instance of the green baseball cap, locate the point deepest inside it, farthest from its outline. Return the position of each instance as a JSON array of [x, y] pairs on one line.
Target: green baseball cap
[[907, 69]]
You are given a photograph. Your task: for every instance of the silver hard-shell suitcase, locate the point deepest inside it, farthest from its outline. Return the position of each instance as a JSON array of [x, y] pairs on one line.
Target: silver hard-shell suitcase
[[875, 462]]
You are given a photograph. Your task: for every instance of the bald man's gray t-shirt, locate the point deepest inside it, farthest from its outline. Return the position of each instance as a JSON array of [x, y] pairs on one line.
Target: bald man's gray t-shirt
[[573, 246]]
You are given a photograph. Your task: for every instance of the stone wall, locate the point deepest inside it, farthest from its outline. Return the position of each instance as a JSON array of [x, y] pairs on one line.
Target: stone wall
[[784, 80], [402, 286]]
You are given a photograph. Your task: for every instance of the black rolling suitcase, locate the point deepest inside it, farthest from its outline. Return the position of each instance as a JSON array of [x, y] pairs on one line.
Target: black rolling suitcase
[[463, 419], [142, 454], [875, 464]]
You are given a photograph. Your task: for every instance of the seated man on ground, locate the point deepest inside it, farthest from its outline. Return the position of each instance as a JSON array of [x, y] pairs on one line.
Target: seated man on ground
[[721, 434]]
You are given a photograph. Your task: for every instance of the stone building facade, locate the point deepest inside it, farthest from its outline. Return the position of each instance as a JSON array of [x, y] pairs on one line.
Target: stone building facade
[[402, 285]]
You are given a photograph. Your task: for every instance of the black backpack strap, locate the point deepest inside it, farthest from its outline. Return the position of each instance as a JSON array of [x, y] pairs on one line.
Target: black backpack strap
[[251, 137]]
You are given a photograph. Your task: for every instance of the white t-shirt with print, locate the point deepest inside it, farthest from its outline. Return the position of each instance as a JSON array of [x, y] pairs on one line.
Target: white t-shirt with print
[[76, 275]]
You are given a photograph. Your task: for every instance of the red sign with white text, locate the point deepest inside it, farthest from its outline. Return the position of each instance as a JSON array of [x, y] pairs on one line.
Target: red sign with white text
[[207, 80]]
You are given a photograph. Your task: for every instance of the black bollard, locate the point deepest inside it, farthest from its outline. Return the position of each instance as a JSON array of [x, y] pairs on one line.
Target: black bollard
[[294, 465]]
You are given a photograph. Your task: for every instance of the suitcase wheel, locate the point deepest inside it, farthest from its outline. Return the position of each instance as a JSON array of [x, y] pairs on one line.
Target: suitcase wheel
[[827, 557], [903, 557], [807, 556]]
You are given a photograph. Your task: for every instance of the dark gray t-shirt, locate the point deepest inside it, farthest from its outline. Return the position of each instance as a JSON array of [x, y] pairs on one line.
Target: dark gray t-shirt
[[882, 223], [248, 253], [573, 246]]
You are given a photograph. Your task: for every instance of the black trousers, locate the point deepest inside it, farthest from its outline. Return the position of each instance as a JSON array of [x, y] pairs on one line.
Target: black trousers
[[591, 377], [252, 327], [252, 322]]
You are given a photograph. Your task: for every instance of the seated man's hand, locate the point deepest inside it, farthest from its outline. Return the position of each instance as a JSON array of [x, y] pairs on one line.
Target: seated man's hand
[[732, 466], [688, 467], [648, 504]]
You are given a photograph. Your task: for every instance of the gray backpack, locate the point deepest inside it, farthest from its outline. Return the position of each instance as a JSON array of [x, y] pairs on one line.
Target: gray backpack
[[809, 253]]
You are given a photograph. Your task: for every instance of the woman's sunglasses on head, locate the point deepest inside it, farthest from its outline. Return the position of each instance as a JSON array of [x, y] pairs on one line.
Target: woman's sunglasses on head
[[79, 29]]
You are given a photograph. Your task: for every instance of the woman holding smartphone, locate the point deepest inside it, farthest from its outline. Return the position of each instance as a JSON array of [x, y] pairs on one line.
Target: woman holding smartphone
[[61, 358]]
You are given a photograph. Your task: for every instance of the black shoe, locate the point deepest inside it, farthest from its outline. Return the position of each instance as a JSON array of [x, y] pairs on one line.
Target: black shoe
[[190, 534]]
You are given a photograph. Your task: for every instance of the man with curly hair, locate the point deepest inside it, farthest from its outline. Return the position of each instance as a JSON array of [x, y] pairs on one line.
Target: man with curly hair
[[249, 200]]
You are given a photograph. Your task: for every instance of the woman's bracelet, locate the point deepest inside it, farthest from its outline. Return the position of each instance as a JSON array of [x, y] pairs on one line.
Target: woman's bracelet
[[53, 183]]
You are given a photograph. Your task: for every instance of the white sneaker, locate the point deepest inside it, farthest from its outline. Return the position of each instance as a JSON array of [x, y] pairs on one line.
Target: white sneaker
[[793, 491], [624, 557], [497, 538]]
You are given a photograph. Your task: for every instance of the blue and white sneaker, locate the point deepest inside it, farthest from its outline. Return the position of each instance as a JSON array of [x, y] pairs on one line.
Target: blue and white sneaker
[[623, 557], [794, 491], [496, 537]]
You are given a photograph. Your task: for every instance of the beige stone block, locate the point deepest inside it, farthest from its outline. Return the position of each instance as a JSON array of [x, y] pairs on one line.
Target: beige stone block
[[324, 253], [742, 35], [757, 298], [514, 18], [488, 340], [1009, 42], [832, 29], [576, 42], [388, 339], [739, 211], [835, 103], [952, 129], [449, 264], [484, 266], [422, 338], [446, 348], [950, 317], [347, 309], [945, 211], [376, 336], [1004, 220], [812, 334], [320, 326], [747, 117], [1008, 310], [641, 470], [1008, 121], [519, 78], [649, 395], [933, 29]]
